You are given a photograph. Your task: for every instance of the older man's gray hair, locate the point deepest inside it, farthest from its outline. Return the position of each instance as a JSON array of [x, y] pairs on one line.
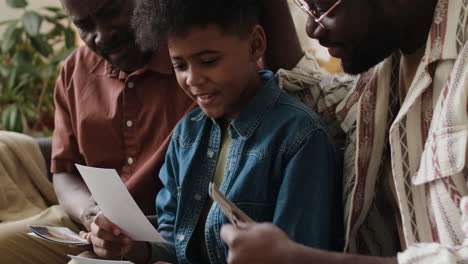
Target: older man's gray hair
[[146, 25]]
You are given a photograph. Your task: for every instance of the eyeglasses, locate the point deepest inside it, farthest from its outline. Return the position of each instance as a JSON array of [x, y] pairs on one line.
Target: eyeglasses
[[313, 12]]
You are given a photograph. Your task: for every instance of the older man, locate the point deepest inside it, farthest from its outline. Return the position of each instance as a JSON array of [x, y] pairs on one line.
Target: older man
[[406, 121], [116, 106]]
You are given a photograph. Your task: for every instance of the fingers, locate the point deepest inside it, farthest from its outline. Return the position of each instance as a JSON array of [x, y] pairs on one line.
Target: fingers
[[228, 233], [109, 249], [244, 225], [82, 247], [103, 225], [248, 242], [87, 237], [89, 215], [107, 238], [232, 236]]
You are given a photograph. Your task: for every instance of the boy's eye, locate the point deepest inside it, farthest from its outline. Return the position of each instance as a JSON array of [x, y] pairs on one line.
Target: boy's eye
[[179, 66], [209, 60]]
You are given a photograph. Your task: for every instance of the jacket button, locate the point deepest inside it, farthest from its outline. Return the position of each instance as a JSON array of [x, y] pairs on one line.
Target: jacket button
[[197, 197], [180, 238], [210, 153]]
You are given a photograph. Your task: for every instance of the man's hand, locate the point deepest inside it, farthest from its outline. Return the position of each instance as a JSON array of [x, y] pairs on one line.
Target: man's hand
[[75, 198], [257, 243], [266, 243], [107, 238], [89, 214]]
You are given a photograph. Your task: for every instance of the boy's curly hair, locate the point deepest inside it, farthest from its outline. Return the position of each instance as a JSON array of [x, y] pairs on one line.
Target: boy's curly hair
[[154, 20]]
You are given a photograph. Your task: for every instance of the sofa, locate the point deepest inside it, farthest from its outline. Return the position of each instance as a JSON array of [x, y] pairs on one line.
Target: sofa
[[45, 144]]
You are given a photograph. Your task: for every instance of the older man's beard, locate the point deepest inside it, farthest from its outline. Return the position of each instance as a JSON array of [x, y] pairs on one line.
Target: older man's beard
[[382, 40], [145, 24]]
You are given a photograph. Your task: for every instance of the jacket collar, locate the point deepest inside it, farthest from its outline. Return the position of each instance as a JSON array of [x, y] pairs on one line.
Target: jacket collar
[[252, 115]]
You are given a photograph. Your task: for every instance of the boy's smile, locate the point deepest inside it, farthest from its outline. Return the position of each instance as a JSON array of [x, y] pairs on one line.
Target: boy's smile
[[207, 98], [217, 69]]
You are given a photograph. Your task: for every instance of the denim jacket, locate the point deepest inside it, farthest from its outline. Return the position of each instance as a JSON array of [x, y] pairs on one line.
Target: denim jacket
[[281, 167]]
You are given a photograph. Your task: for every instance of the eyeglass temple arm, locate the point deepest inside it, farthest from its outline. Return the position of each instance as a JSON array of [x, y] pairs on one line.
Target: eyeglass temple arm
[[329, 10]]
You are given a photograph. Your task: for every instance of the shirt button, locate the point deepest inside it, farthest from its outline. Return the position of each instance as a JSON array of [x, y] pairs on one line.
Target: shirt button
[[130, 85], [129, 123], [197, 197], [130, 161], [210, 153], [180, 238]]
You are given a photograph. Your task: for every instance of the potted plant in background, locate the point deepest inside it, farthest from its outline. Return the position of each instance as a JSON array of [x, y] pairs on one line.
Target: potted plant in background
[[32, 48]]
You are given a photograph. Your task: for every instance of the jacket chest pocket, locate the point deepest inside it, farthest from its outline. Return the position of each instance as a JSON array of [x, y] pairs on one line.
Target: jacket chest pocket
[[259, 212]]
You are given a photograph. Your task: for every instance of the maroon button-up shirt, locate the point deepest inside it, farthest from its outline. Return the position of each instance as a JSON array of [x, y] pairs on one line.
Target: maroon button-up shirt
[[107, 118]]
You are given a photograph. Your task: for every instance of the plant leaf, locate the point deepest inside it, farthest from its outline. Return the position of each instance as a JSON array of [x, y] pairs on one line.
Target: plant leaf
[[4, 71], [10, 37], [56, 31], [20, 56], [52, 9], [50, 19], [41, 46], [8, 21], [32, 23], [69, 38], [60, 16], [29, 111], [12, 119], [17, 3], [58, 57], [19, 87], [12, 77]]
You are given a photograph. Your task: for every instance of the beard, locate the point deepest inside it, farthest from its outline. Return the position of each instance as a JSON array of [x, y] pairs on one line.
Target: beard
[[381, 39]]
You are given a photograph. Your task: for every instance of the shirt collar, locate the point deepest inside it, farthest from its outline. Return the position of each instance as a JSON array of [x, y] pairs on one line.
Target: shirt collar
[[255, 111], [442, 39], [159, 62]]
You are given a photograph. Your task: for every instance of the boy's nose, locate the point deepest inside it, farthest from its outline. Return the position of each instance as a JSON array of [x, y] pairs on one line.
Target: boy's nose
[[194, 78]]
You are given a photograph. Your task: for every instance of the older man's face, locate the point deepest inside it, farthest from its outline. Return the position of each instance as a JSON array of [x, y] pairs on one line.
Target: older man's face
[[104, 26], [356, 31]]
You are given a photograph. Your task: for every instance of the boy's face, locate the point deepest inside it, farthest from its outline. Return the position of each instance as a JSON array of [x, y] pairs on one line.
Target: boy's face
[[218, 69]]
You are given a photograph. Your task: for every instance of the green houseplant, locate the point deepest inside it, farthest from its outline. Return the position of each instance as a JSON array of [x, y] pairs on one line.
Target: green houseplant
[[32, 48]]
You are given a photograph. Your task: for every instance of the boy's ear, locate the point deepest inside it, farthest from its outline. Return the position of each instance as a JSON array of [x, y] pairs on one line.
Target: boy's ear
[[257, 43]]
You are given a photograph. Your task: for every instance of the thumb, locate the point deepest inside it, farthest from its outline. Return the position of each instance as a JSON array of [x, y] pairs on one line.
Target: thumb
[[85, 235], [228, 233], [243, 225]]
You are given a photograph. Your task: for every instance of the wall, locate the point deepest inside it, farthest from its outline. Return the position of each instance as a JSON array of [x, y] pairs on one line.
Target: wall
[[9, 13], [330, 64]]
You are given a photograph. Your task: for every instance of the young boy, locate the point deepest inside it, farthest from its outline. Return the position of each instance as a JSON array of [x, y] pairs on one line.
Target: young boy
[[266, 151]]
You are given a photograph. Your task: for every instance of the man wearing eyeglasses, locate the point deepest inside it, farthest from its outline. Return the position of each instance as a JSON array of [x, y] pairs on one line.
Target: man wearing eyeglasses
[[406, 123]]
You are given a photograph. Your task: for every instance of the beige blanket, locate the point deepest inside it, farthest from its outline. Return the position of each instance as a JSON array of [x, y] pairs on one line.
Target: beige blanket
[[24, 187]]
